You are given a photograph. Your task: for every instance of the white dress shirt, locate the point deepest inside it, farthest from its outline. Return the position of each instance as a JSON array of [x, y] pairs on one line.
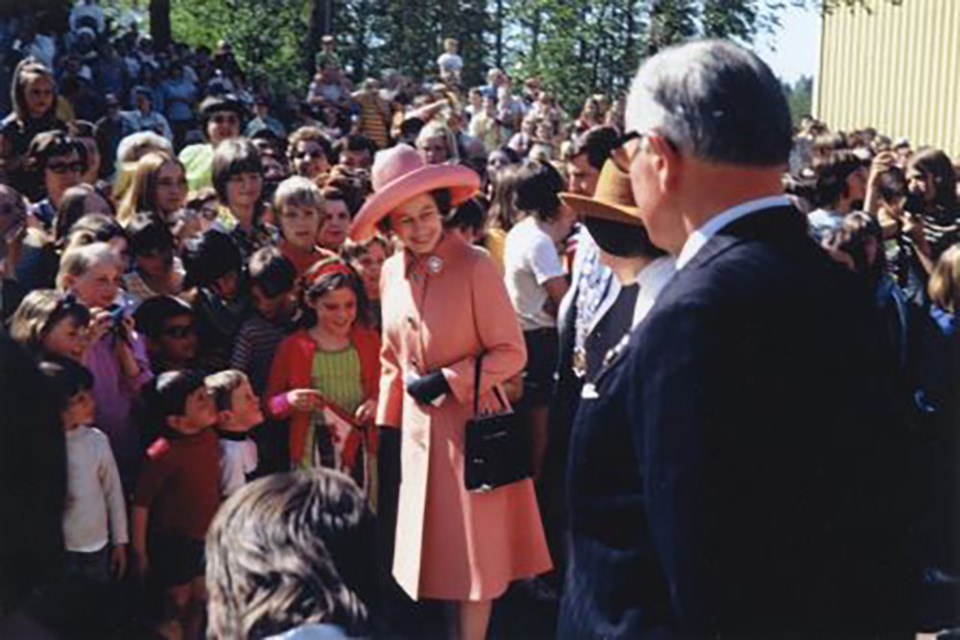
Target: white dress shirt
[[710, 228], [652, 279]]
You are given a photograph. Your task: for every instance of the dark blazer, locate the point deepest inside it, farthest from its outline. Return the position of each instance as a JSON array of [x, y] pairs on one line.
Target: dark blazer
[[736, 473]]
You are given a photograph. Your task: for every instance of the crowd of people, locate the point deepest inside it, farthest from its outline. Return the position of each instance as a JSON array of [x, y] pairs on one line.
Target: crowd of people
[[245, 334]]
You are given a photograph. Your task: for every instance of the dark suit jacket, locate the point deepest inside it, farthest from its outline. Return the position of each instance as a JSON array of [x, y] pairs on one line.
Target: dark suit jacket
[[735, 474]]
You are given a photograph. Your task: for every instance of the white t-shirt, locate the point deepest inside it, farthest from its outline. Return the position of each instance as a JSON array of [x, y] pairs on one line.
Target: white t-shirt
[[530, 259], [450, 62], [238, 459], [95, 513]]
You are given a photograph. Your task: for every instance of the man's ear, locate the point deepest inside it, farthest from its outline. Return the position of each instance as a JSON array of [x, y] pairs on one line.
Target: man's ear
[[667, 161]]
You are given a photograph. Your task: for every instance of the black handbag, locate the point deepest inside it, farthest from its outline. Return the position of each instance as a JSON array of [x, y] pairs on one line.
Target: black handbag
[[497, 448]]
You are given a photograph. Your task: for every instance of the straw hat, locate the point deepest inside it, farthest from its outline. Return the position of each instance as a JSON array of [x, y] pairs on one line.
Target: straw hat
[[612, 200], [399, 174]]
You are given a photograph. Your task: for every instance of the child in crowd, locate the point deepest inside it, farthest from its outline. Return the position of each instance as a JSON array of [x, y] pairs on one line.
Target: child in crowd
[[335, 221], [367, 258], [238, 411], [170, 329], [51, 323], [272, 279], [117, 355], [221, 301], [95, 518], [156, 269], [325, 377], [178, 493], [299, 207]]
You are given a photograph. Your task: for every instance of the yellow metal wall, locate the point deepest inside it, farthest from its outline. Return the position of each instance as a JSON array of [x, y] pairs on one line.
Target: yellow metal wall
[[896, 68]]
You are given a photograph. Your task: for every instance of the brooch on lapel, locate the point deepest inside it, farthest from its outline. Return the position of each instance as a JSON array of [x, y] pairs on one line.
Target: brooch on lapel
[[434, 264], [615, 352]]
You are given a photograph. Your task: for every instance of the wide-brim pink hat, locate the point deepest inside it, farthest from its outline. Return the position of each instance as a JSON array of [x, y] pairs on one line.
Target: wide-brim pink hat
[[399, 174]]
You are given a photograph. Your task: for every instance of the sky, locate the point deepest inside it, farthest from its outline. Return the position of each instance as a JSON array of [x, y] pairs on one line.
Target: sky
[[794, 50]]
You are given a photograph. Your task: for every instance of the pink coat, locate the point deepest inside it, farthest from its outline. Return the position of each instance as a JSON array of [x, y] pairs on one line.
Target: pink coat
[[452, 544]]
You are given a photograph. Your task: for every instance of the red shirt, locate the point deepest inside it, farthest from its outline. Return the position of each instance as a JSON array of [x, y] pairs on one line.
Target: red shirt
[[180, 484]]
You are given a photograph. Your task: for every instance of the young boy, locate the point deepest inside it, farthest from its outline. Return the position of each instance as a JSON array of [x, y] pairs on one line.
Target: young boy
[[272, 279], [95, 516], [177, 495], [170, 328], [238, 411]]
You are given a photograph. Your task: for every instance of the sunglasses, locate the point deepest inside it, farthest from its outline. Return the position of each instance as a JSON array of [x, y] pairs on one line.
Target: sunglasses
[[66, 167], [179, 332]]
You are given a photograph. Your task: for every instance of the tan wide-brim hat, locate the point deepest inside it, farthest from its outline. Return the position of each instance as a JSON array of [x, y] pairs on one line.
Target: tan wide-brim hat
[[612, 199], [399, 174]]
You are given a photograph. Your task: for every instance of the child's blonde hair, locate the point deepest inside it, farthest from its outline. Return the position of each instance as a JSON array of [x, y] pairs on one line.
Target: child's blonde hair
[[222, 384], [297, 192], [944, 285], [80, 259]]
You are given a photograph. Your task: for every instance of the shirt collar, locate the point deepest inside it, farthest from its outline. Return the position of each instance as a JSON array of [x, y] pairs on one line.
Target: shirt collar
[[710, 228]]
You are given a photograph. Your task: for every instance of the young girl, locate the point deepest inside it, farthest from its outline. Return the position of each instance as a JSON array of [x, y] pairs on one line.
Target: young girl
[[117, 355], [238, 181], [325, 377], [367, 258], [51, 324], [95, 519], [299, 207]]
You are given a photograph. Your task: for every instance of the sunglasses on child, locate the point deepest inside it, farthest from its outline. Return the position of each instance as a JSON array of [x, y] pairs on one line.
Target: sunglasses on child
[[225, 118]]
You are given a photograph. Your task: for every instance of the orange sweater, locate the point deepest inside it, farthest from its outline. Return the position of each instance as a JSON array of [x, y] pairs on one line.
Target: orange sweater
[[292, 368]]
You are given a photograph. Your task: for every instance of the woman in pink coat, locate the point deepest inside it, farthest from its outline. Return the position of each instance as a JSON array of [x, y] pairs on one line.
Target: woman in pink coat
[[444, 304]]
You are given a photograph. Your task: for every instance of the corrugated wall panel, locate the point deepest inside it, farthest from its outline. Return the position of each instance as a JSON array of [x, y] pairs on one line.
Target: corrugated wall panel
[[896, 68]]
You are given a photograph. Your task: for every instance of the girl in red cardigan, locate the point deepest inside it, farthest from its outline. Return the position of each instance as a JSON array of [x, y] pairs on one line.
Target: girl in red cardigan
[[325, 378]]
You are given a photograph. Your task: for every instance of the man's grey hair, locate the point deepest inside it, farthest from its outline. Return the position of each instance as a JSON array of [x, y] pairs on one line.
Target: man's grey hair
[[715, 100]]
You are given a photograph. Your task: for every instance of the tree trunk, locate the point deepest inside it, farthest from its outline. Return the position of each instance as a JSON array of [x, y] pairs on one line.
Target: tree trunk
[[321, 21], [499, 61], [160, 22]]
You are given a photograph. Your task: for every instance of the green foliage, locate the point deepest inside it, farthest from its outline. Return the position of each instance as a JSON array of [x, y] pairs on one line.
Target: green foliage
[[800, 98], [267, 37], [576, 47]]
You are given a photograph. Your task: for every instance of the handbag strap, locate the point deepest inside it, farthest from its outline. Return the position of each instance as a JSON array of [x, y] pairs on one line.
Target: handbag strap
[[476, 389], [476, 384]]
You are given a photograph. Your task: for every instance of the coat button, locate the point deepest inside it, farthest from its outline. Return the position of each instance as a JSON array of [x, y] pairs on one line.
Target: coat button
[[411, 322]]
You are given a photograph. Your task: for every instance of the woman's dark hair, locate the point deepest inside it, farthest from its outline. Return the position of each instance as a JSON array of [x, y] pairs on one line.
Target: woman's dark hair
[[892, 185], [271, 272], [147, 232], [503, 208], [326, 276], [470, 214], [72, 208], [510, 152], [233, 157], [936, 163], [537, 186], [286, 551], [443, 199], [66, 379]]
